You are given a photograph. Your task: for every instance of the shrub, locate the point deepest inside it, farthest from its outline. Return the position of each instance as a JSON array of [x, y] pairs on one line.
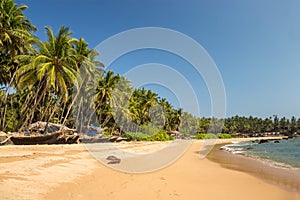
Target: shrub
[[162, 136], [224, 136], [201, 136], [138, 136], [105, 133], [148, 129]]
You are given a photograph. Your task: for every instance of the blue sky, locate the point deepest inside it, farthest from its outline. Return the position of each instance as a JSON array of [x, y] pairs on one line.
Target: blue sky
[[255, 44]]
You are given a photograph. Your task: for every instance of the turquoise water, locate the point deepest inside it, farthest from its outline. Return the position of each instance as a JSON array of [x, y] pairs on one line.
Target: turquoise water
[[286, 153]]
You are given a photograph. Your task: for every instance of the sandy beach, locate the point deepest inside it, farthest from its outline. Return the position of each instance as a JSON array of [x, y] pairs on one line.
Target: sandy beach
[[71, 172]]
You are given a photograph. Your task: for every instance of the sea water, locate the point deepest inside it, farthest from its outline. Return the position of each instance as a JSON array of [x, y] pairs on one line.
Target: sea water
[[286, 153]]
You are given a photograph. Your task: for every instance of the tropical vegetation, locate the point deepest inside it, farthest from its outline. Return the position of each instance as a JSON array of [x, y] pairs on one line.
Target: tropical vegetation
[[60, 80]]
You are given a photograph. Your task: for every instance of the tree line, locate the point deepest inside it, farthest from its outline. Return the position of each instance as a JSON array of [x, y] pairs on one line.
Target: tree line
[[60, 80], [255, 125]]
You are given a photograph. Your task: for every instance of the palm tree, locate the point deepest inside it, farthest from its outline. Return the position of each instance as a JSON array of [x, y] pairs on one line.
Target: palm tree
[[53, 69], [15, 39], [140, 104], [120, 105], [90, 69], [103, 96], [15, 36]]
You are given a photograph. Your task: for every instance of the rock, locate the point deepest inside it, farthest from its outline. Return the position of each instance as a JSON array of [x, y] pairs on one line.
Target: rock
[[40, 127], [2, 133], [263, 141], [113, 160], [276, 141], [93, 140], [120, 139]]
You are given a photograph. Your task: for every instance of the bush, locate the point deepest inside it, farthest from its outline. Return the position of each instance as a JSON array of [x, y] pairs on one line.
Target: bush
[[162, 136], [148, 129], [201, 136], [224, 136], [106, 134], [138, 136]]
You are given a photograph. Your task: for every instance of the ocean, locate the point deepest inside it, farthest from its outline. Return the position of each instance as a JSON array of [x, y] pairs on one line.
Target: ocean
[[284, 154]]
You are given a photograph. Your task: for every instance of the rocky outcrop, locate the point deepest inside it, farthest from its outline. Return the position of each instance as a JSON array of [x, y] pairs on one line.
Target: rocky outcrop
[[40, 127]]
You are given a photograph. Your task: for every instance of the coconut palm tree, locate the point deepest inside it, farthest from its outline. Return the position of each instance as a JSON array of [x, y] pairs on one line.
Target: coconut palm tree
[[15, 36], [52, 69], [15, 39], [140, 105], [90, 70], [103, 96]]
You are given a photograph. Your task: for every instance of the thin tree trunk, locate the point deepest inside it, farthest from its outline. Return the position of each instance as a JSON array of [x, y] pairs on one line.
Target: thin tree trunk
[[34, 107], [5, 99], [78, 114], [71, 105], [29, 102], [52, 113]]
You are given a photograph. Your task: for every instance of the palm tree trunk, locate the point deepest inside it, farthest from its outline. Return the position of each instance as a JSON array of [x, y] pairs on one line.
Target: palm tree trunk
[[30, 115], [52, 113], [28, 101], [5, 99], [71, 105]]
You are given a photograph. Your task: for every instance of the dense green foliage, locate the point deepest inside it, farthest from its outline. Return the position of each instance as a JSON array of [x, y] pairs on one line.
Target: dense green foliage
[[225, 136], [162, 136], [251, 126], [60, 80], [139, 136], [200, 136]]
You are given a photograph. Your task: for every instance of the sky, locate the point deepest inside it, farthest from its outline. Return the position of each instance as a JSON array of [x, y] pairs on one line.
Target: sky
[[254, 44]]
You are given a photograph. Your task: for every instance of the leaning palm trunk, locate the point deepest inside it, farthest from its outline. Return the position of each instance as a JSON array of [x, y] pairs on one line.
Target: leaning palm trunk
[[52, 113], [4, 99], [71, 105], [92, 114], [30, 115], [77, 121], [62, 113], [29, 101]]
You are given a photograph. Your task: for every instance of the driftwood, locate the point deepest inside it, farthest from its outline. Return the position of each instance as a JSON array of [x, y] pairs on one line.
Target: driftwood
[[116, 138], [73, 139], [2, 133], [6, 141]]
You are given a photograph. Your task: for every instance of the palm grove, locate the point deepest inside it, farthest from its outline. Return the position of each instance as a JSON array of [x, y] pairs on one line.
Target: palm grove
[[59, 80]]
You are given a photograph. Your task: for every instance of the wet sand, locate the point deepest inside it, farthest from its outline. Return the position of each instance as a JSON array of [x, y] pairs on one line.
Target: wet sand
[[287, 178], [70, 172]]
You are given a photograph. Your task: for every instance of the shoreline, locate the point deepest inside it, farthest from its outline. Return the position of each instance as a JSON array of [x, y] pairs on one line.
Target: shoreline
[[286, 178], [70, 172]]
